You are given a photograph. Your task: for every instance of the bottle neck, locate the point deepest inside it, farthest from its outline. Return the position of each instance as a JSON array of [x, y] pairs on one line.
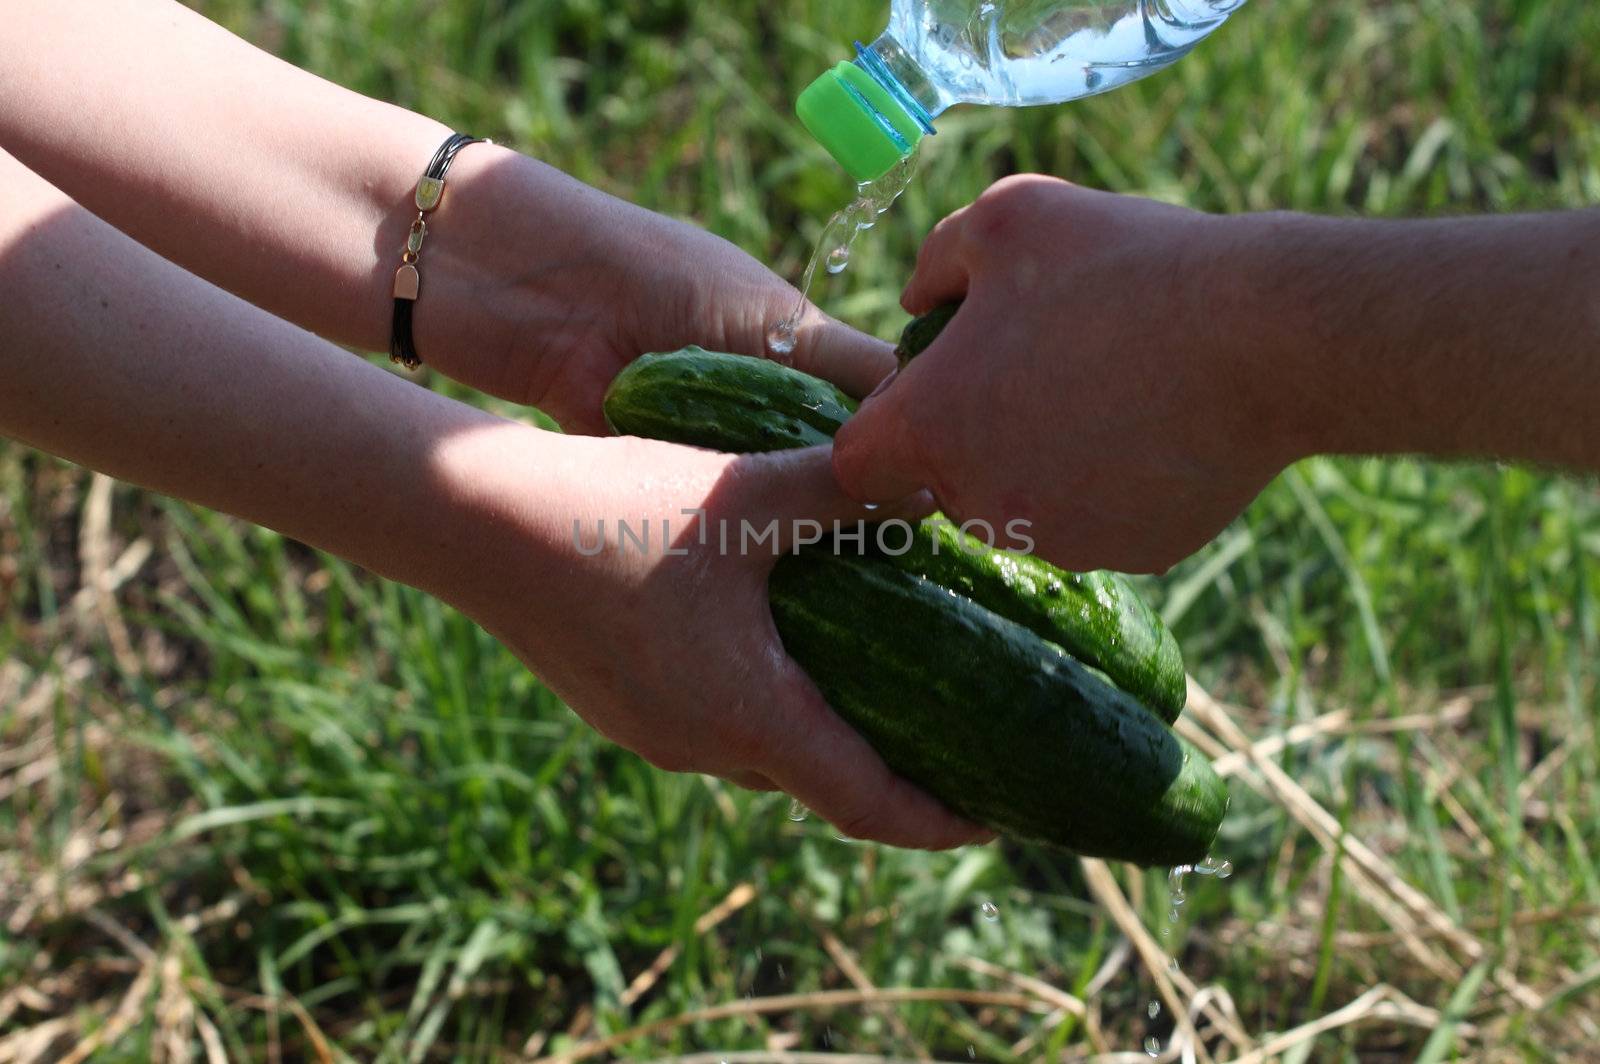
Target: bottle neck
[[891, 66]]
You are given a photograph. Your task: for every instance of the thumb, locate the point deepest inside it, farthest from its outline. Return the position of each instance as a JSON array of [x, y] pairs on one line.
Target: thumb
[[875, 456]]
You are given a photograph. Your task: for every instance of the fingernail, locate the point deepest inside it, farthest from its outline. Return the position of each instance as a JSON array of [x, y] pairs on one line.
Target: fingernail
[[884, 383]]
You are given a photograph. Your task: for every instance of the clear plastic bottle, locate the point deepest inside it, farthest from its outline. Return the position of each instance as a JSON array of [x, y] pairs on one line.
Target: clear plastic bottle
[[871, 112]]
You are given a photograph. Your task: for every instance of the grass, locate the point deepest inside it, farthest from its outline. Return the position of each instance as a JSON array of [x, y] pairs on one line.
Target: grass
[[257, 805]]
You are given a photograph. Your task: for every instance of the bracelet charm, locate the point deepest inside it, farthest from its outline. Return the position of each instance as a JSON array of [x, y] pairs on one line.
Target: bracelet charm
[[407, 280]]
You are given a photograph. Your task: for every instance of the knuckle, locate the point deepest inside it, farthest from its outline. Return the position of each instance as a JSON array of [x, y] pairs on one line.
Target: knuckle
[[1004, 212]]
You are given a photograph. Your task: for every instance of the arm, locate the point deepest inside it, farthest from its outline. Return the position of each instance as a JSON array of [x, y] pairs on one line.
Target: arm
[[1128, 375], [115, 358], [294, 194]]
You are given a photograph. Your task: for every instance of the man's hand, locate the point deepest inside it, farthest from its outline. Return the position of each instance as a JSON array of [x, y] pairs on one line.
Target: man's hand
[[1084, 385]]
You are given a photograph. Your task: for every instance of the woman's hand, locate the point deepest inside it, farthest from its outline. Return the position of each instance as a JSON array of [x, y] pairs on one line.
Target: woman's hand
[[538, 288], [296, 194], [668, 648]]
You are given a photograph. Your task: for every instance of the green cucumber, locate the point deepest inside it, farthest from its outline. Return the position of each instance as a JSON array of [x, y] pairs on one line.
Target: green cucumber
[[954, 660], [1096, 617], [733, 403], [991, 719], [922, 331], [724, 402]]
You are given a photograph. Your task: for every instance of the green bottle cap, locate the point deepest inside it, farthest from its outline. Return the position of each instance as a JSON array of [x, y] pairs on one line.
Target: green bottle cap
[[859, 121]]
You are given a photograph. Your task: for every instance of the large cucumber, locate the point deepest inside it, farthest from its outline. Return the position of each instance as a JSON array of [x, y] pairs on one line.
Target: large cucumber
[[732, 403], [994, 721]]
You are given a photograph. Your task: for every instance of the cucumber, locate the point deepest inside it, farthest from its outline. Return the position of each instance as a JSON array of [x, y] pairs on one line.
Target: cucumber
[[989, 718], [738, 404], [724, 402], [955, 661], [920, 332], [1096, 617]]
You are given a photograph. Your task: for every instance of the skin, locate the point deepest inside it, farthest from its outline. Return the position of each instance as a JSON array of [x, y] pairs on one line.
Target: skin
[[1157, 367], [161, 135], [296, 195]]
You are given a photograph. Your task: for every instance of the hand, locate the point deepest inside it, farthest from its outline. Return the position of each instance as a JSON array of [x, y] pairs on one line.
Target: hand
[[673, 656], [1084, 386], [559, 286]]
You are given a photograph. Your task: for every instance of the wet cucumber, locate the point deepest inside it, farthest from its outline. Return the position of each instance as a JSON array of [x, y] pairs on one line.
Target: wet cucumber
[[991, 719], [724, 402], [956, 661], [737, 404]]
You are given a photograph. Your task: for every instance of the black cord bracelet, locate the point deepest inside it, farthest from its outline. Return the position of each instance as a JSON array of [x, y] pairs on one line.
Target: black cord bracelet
[[407, 281]]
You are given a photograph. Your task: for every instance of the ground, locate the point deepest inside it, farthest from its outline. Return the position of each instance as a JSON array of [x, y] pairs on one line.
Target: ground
[[257, 805]]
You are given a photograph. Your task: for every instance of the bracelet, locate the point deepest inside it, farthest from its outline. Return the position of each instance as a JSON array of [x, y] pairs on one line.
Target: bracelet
[[407, 281]]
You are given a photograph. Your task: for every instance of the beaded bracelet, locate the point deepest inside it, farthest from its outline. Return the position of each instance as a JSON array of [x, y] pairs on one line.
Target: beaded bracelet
[[407, 281]]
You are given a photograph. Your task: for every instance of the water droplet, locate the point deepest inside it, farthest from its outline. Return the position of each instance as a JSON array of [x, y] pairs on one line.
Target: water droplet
[[990, 911], [781, 339], [1213, 867], [838, 258], [870, 505], [1172, 917], [1172, 965], [1166, 932], [1153, 1009], [1054, 586], [972, 1051], [827, 1037], [797, 811], [1178, 897], [783, 974], [1152, 1046]]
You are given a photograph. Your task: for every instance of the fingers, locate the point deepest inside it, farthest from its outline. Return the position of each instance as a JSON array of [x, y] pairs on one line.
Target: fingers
[[941, 275], [751, 781], [875, 454], [834, 772], [796, 491], [827, 348]]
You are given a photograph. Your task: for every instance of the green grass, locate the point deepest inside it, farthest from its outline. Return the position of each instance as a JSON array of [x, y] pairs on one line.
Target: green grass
[[324, 802]]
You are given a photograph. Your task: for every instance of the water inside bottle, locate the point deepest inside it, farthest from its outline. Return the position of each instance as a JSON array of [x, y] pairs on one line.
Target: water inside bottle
[[1020, 52]]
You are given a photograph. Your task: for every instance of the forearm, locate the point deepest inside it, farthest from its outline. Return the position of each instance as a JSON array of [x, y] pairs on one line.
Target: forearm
[[273, 183], [114, 358], [1452, 338]]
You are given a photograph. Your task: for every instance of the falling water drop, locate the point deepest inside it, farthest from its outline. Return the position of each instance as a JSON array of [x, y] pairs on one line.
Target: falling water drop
[[838, 259], [1152, 1046], [797, 811], [990, 911], [1153, 1009]]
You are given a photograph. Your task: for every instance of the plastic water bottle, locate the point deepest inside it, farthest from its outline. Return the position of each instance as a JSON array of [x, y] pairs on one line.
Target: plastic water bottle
[[871, 112]]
